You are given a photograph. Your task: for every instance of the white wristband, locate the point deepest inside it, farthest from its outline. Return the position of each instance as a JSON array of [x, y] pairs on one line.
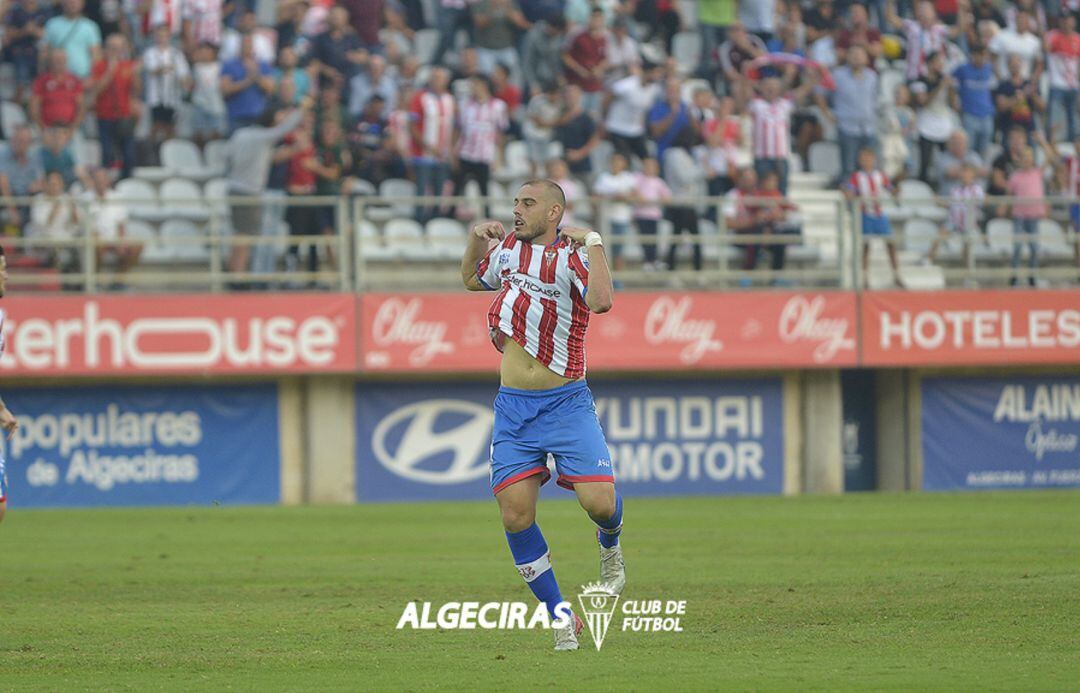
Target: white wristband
[[593, 238]]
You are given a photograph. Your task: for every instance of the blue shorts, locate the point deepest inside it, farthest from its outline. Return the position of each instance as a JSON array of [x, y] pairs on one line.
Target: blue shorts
[[562, 422], [876, 226], [1074, 215]]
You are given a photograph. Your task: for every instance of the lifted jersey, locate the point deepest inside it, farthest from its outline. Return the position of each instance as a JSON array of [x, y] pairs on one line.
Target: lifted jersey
[[541, 300]]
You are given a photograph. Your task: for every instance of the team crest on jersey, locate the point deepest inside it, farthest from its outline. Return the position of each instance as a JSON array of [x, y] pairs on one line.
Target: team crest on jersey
[[549, 256]]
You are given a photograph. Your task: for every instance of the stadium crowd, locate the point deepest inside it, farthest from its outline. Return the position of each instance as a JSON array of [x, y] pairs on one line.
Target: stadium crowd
[[635, 101]]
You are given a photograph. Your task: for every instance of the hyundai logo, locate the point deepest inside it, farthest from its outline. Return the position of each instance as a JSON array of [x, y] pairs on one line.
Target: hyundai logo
[[461, 449]]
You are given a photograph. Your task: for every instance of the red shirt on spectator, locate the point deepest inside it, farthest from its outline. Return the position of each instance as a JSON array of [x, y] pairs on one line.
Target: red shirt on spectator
[[588, 51], [300, 179], [60, 96], [510, 95], [114, 101]]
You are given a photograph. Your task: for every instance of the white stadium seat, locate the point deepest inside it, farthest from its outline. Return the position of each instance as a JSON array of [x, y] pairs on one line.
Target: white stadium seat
[[183, 198]]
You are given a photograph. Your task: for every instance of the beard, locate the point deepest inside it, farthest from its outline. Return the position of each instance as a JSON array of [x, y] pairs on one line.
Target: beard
[[528, 233]]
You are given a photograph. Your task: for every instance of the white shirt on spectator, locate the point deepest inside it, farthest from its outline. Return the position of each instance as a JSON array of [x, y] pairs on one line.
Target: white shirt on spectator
[[263, 43], [164, 89], [1008, 42], [106, 216], [617, 185], [622, 54], [206, 90], [626, 115], [63, 225]]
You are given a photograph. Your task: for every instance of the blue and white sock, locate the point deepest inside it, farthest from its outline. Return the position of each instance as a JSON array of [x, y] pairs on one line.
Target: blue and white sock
[[533, 561], [611, 528]]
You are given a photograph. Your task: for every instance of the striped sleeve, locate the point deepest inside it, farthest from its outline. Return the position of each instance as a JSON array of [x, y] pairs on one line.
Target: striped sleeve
[[489, 269], [579, 269]]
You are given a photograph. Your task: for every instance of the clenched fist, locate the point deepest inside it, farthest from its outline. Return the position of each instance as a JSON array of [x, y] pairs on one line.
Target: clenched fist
[[489, 230]]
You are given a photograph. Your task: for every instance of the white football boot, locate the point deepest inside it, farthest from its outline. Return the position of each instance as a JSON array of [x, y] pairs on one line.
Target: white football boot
[[566, 637], [612, 568]]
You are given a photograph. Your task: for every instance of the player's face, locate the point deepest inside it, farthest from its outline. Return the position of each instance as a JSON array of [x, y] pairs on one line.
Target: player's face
[[3, 276], [531, 212]]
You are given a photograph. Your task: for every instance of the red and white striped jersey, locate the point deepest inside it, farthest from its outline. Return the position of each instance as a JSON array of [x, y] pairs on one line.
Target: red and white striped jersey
[[1073, 162], [922, 43], [481, 124], [541, 301], [205, 18], [963, 214], [772, 128], [870, 185], [398, 127], [435, 115]]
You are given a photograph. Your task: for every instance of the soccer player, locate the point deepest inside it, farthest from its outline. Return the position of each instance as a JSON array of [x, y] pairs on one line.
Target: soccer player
[[548, 281], [8, 422]]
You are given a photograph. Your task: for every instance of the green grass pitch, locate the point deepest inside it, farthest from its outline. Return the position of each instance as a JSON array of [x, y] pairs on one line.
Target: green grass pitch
[[861, 592]]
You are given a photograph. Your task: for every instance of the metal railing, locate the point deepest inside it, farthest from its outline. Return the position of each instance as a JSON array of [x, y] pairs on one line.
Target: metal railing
[[376, 243]]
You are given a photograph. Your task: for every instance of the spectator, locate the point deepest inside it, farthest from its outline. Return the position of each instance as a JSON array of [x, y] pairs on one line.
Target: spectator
[[433, 115], [374, 80], [739, 213], [468, 65], [1068, 178], [577, 132], [965, 203], [332, 161], [586, 60], [617, 186], [303, 220], [660, 19], [503, 89], [736, 52], [1035, 12], [651, 191], [57, 97], [367, 17], [55, 218], [167, 80], [58, 155], [542, 53], [1063, 49], [1026, 182], [250, 151], [208, 118], [23, 30], [933, 117], [624, 54], [1018, 100], [497, 24], [107, 220], [770, 214], [820, 46], [772, 126], [338, 52], [759, 18], [714, 17], [262, 42], [541, 116], [21, 173], [289, 26], [684, 178], [246, 85], [869, 184], [330, 105], [201, 23], [287, 71], [1004, 166], [855, 108], [858, 32], [669, 118], [1019, 42], [974, 85], [558, 171], [481, 125], [925, 35], [75, 35], [902, 121], [373, 144], [951, 163], [115, 84], [718, 155], [453, 17], [631, 98]]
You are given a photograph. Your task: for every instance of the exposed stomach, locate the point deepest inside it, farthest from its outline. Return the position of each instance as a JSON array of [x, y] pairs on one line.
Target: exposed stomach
[[522, 371]]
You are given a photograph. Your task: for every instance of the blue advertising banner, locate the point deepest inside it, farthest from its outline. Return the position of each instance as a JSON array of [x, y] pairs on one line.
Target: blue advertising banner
[[429, 441], [1000, 433], [106, 446]]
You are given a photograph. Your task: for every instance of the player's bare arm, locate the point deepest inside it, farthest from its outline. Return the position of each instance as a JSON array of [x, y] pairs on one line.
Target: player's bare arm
[[8, 422], [480, 238], [600, 295]]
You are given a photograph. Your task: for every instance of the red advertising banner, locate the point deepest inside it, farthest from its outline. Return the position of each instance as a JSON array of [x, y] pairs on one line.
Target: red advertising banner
[[947, 328], [645, 331], [134, 335]]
